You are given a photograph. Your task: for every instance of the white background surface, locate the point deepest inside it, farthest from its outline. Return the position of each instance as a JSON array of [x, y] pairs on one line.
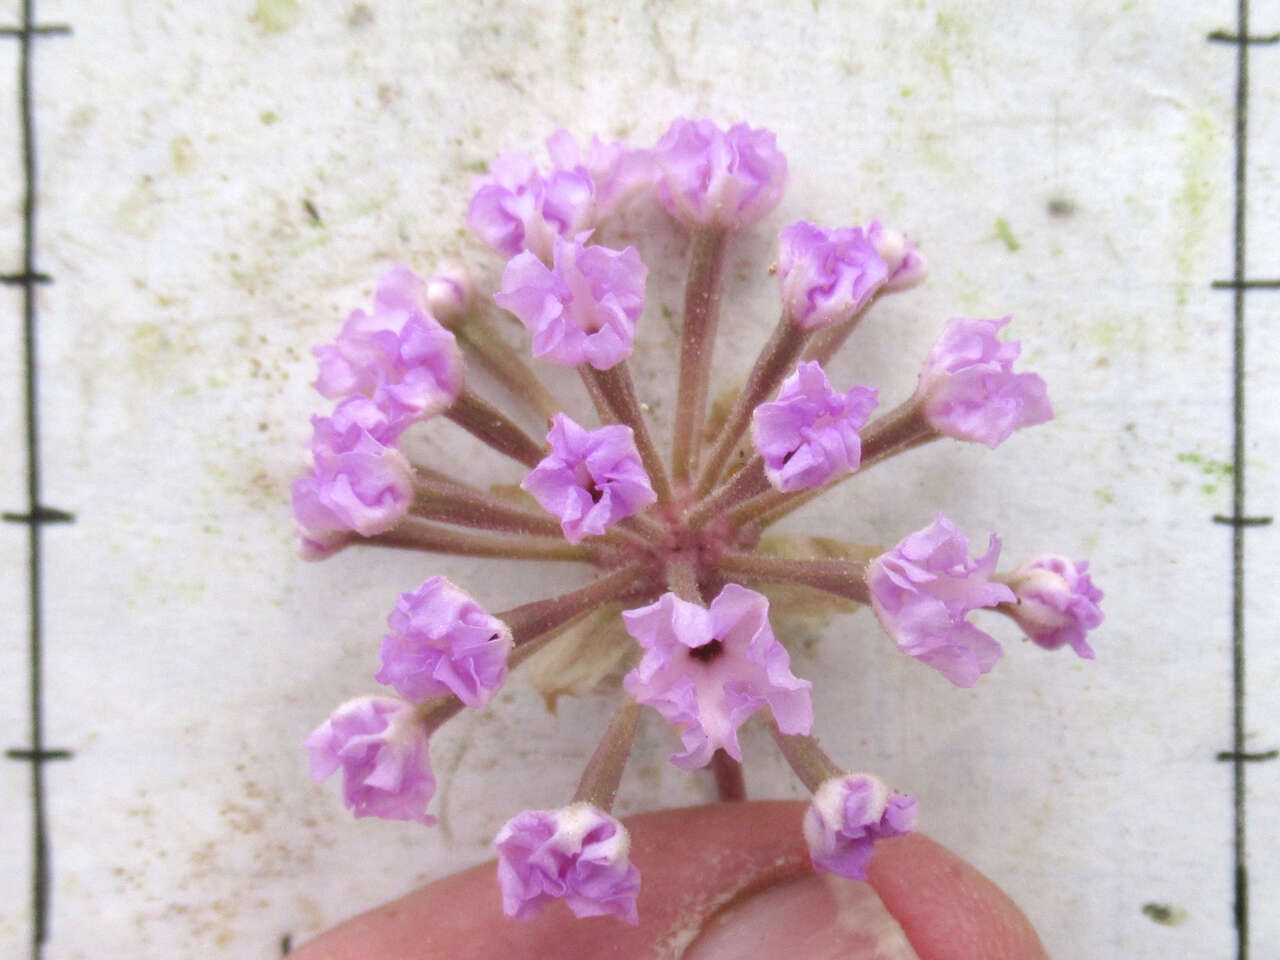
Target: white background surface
[[188, 651]]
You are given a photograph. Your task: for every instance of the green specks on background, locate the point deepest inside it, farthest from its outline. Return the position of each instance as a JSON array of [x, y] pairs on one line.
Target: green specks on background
[[276, 16], [1199, 155], [1212, 472], [1005, 235]]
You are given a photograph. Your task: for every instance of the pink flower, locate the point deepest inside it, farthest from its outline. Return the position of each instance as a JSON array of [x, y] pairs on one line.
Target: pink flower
[[591, 479], [584, 310], [907, 265], [847, 816], [381, 746], [826, 276], [710, 178], [617, 172], [442, 641], [706, 670], [810, 433], [1057, 603], [578, 854], [515, 208], [969, 390], [921, 591], [399, 355], [360, 481]]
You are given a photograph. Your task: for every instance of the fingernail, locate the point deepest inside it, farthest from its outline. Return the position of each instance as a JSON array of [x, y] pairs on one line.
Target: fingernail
[[817, 917]]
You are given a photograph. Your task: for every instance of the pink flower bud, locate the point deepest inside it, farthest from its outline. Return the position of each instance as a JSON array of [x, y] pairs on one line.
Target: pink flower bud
[[847, 816], [826, 276], [578, 854], [708, 177], [921, 591], [1057, 603], [968, 388], [810, 433], [591, 479], [380, 745]]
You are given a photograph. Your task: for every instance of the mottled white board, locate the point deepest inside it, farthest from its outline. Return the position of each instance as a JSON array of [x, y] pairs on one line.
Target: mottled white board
[[188, 651]]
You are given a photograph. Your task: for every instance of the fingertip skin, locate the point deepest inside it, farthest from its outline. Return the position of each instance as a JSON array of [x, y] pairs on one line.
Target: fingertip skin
[[694, 862], [948, 910]]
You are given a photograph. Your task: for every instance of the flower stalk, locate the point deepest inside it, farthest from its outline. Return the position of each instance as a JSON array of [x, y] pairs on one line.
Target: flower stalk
[[730, 785], [697, 343], [897, 431], [844, 578], [478, 338], [617, 392], [415, 534], [599, 783], [776, 360], [533, 621], [491, 426], [809, 762]]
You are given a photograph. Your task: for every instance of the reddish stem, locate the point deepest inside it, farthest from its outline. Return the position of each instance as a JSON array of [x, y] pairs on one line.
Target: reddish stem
[[488, 424], [697, 343], [603, 773], [776, 360], [414, 534], [844, 578], [618, 393], [730, 786]]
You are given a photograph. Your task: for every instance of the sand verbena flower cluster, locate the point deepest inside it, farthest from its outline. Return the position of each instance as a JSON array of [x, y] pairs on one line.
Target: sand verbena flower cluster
[[676, 542]]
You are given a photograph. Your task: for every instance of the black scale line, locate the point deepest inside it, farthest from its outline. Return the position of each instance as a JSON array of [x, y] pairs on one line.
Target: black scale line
[[36, 515], [1239, 521]]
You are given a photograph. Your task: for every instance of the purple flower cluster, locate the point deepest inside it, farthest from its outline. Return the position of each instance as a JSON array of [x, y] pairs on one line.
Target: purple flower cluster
[[675, 541], [387, 369]]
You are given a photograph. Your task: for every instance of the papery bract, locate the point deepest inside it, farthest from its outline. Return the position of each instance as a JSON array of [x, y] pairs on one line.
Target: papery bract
[[360, 482], [583, 309], [847, 815], [826, 276], [399, 355], [578, 854], [810, 432], [380, 744], [591, 479], [441, 641], [921, 591], [708, 177], [968, 389], [1057, 603], [707, 669]]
